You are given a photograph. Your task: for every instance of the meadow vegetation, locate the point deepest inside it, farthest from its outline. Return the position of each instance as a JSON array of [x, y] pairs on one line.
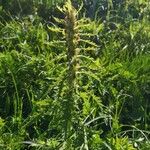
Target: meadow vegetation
[[74, 75]]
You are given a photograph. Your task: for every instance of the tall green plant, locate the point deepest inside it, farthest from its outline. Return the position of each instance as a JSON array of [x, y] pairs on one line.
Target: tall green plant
[[70, 25], [76, 40], [70, 34]]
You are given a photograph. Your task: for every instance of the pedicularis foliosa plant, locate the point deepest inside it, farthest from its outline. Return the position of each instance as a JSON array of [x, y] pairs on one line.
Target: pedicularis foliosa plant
[[75, 41], [70, 24]]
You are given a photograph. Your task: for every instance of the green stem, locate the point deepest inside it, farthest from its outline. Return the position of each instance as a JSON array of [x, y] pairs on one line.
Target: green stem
[[70, 24]]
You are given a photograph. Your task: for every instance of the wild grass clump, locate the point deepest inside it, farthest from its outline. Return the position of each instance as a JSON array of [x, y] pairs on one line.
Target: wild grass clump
[[79, 80]]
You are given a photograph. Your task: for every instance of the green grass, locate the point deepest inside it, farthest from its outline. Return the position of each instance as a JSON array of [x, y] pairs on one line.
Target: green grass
[[74, 81]]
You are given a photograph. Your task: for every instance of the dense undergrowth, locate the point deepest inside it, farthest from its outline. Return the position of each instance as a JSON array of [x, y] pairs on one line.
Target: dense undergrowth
[[75, 75]]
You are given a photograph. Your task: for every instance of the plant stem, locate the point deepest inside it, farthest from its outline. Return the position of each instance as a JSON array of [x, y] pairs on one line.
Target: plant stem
[[70, 24]]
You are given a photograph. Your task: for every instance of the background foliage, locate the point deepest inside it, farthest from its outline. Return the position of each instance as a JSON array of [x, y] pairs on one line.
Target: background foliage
[[111, 108]]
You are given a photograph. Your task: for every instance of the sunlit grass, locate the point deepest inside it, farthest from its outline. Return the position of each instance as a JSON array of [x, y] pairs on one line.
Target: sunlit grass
[[74, 82]]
